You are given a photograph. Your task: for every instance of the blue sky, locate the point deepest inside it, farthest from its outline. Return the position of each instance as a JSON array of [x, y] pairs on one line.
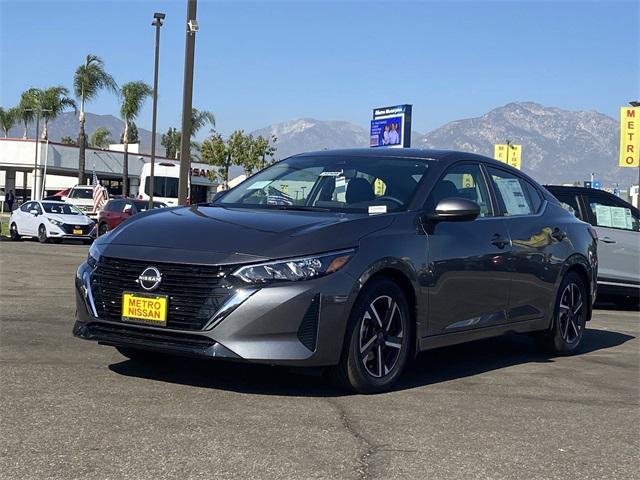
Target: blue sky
[[263, 62]]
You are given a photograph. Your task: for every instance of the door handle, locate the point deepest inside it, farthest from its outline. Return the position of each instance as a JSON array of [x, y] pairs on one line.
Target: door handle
[[607, 240], [498, 241], [558, 234]]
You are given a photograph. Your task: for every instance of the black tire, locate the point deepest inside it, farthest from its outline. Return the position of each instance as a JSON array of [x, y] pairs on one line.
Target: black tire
[[142, 356], [13, 231], [102, 229], [42, 234], [376, 345], [569, 318]]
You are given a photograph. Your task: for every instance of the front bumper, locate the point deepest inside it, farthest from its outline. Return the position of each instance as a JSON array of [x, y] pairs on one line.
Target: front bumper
[[297, 324]]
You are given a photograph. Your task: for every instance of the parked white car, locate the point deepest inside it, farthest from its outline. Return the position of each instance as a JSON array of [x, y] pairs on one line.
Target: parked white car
[[82, 197], [51, 220]]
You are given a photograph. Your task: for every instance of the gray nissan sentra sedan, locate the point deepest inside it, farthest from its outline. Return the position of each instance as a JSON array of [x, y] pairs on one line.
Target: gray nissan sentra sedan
[[353, 260]]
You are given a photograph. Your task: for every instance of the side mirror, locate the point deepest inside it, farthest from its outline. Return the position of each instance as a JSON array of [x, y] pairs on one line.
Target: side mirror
[[34, 212], [127, 211], [455, 209]]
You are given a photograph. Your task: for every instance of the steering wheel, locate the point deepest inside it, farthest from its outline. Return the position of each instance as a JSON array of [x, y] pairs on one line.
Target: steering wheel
[[391, 199]]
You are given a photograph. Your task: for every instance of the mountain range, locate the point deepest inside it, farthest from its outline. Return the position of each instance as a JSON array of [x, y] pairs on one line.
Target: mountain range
[[558, 146]]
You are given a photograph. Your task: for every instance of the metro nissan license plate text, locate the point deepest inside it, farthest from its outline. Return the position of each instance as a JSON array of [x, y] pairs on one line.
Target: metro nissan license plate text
[[144, 308]]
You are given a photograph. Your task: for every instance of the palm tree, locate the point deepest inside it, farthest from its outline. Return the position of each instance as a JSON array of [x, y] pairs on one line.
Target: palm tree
[[133, 95], [8, 119], [26, 109], [53, 101], [88, 80], [199, 118], [100, 138]]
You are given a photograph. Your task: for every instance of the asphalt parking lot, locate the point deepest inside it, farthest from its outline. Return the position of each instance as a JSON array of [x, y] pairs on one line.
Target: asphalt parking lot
[[490, 409]]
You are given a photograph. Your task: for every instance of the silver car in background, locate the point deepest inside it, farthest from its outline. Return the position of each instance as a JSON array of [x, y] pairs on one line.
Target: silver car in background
[[617, 225]]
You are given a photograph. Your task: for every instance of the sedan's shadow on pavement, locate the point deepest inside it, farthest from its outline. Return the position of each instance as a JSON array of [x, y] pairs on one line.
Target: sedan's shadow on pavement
[[430, 367]]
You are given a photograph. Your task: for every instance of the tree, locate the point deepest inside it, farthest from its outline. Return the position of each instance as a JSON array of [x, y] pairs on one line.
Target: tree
[[236, 150], [88, 80], [263, 152], [199, 118], [171, 143], [8, 119], [100, 138], [67, 140], [52, 102], [133, 135], [26, 109], [133, 95]]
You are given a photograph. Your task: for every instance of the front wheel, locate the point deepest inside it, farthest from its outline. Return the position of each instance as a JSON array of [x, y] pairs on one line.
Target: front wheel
[[102, 229], [42, 234], [15, 236], [377, 340], [570, 318]]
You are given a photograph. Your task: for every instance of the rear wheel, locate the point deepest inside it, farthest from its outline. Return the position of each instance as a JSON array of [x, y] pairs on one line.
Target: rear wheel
[[13, 230], [570, 318], [377, 340], [42, 234]]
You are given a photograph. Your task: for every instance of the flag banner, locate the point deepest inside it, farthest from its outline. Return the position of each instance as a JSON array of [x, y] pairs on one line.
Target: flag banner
[[629, 137], [509, 154]]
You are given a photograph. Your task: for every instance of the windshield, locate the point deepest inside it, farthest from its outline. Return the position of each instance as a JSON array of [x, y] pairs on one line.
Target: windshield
[[61, 209], [163, 187], [341, 184], [84, 193]]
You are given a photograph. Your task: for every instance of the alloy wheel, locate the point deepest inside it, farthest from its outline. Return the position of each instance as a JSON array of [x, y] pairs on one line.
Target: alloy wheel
[[381, 336], [570, 313]]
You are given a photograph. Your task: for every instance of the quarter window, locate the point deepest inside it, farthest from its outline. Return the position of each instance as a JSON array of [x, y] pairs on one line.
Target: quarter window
[[511, 192], [464, 181]]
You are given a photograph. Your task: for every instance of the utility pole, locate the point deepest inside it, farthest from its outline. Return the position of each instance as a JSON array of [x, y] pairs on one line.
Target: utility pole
[[187, 99], [157, 22], [35, 190]]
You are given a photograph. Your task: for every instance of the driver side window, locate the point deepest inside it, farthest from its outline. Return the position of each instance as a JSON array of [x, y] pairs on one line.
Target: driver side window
[[462, 181]]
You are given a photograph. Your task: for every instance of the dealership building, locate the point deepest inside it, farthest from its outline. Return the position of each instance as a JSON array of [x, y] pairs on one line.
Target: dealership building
[[48, 167]]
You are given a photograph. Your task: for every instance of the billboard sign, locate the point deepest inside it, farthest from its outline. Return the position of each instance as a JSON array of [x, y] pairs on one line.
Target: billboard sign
[[391, 127], [629, 137], [509, 154]]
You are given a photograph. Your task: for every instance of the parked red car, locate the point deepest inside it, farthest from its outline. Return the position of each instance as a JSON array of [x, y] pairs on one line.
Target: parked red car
[[117, 210]]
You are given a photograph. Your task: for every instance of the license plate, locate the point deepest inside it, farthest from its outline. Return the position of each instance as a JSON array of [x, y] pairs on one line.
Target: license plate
[[144, 308], [77, 231]]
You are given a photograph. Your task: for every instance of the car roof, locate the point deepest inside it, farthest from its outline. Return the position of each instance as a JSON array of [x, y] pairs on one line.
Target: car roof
[[418, 153], [54, 201]]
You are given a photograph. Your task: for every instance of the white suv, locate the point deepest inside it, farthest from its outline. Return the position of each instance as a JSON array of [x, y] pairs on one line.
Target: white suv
[[81, 196]]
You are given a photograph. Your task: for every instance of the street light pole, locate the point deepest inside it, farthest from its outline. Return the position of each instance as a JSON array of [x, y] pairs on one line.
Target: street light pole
[[187, 99], [157, 22], [35, 190], [636, 103]]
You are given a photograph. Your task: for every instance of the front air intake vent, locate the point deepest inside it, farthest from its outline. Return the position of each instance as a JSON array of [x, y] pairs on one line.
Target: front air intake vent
[[308, 331]]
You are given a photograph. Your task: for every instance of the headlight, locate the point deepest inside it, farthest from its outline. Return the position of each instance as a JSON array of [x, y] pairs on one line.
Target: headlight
[[55, 222], [94, 255], [295, 269]]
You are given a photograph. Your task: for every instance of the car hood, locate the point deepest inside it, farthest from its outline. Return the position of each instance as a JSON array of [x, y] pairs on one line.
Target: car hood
[[70, 219], [236, 235]]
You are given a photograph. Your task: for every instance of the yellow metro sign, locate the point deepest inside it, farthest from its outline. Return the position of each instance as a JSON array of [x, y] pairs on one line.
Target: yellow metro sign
[[509, 154], [629, 137]]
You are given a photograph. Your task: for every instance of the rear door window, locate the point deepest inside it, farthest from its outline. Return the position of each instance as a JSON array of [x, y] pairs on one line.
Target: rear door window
[[569, 202], [611, 212], [511, 192]]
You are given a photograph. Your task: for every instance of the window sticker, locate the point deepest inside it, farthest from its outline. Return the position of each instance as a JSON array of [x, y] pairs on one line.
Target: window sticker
[[513, 196], [332, 174], [259, 185], [377, 209], [615, 217]]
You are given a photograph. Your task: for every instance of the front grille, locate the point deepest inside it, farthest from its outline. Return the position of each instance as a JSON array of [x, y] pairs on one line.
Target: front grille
[[195, 292], [69, 228]]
